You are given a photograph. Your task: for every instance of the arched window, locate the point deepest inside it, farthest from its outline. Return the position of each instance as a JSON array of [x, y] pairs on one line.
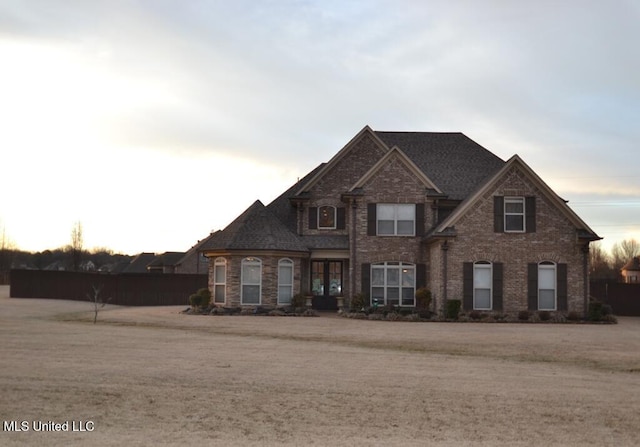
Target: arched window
[[285, 281], [251, 281], [393, 283], [482, 284], [547, 285], [219, 280], [327, 217]]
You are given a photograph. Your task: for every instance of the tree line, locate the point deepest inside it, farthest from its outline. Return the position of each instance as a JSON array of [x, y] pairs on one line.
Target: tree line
[[607, 265]]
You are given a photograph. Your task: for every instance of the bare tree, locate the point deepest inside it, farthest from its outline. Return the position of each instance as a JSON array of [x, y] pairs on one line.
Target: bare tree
[[98, 302], [76, 246], [600, 262], [622, 252]]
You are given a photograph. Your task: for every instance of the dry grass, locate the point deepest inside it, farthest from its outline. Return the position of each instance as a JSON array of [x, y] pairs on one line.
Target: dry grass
[[149, 376]]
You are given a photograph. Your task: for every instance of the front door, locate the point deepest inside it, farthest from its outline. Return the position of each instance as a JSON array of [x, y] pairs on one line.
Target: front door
[[326, 284]]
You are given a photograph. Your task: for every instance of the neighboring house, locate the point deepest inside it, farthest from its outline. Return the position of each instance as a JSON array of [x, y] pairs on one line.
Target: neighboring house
[[631, 271], [193, 260], [395, 211], [165, 262], [139, 263]]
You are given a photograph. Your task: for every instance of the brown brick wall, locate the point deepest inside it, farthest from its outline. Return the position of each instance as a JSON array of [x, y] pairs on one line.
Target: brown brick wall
[[554, 240]]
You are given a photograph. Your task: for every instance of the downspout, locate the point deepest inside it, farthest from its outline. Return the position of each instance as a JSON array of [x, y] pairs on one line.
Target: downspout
[[585, 276], [353, 252], [445, 248]]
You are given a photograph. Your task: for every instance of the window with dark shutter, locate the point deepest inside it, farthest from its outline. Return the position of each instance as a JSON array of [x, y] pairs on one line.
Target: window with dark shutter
[[467, 285], [497, 285], [372, 219], [366, 279], [420, 216], [562, 292], [313, 218], [530, 214], [532, 286], [341, 221], [498, 214]]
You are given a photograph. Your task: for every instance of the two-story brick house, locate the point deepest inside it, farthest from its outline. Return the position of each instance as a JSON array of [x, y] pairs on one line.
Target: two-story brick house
[[395, 211]]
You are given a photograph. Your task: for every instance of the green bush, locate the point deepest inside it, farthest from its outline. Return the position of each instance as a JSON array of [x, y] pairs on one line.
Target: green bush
[[195, 300], [298, 301], [544, 315], [205, 297], [358, 301], [452, 309], [595, 311], [524, 315]]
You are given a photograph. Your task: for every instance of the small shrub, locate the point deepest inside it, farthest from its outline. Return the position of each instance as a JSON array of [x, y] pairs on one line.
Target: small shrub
[[411, 317], [423, 298], [298, 300], [376, 316], [452, 309], [205, 296], [393, 316], [310, 313], [524, 315], [195, 300], [358, 301], [595, 311], [544, 315], [610, 319], [573, 316], [475, 315]]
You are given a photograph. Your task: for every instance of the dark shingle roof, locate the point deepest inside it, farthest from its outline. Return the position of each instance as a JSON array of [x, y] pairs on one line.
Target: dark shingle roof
[[255, 229], [139, 263], [633, 265], [169, 258], [453, 161], [320, 242]]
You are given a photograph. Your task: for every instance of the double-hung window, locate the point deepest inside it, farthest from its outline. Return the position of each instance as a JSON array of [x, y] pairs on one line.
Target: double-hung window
[[514, 220], [219, 280], [482, 285], [251, 281], [396, 219], [285, 281], [547, 286]]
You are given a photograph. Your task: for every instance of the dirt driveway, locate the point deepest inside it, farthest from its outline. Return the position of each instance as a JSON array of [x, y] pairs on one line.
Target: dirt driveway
[[153, 376]]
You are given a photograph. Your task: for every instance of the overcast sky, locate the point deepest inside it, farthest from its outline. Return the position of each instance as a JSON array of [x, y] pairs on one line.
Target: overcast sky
[[154, 122]]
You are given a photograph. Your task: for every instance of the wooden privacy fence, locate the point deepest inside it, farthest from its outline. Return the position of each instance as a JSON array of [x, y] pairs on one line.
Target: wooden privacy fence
[[624, 299], [135, 289]]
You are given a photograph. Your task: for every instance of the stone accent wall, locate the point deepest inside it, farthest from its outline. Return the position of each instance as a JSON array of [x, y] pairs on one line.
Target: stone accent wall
[[269, 295], [554, 240]]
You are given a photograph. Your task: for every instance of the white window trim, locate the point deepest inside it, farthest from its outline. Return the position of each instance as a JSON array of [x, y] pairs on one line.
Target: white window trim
[[289, 263], [335, 217], [395, 265], [548, 265], [523, 214], [395, 219], [249, 261], [483, 265], [219, 262]]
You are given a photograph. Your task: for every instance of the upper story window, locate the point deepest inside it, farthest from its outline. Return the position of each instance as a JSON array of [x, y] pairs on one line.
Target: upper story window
[[396, 219], [514, 214], [327, 217]]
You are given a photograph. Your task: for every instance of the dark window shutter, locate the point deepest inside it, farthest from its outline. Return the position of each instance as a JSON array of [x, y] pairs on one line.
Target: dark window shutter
[[561, 281], [497, 285], [530, 214], [341, 221], [467, 285], [532, 287], [498, 214], [421, 275], [372, 219], [419, 219], [366, 280], [313, 218]]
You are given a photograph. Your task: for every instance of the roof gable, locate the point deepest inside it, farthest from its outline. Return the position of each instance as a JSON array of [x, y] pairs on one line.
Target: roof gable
[[513, 162], [451, 160], [341, 155], [402, 157], [255, 229]]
